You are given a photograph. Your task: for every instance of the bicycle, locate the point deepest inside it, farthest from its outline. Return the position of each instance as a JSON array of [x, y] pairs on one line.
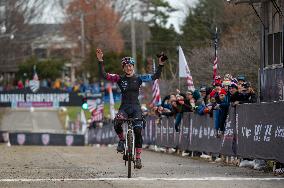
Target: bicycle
[[129, 146]]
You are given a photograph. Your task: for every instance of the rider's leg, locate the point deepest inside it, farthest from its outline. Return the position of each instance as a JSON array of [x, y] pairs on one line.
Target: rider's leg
[[138, 145], [137, 128], [119, 131], [118, 123], [138, 140]]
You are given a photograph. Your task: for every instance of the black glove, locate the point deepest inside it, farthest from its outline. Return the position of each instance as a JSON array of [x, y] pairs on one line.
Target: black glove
[[164, 57]]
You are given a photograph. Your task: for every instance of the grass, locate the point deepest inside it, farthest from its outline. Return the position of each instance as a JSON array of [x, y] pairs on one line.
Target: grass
[[107, 110], [72, 112]]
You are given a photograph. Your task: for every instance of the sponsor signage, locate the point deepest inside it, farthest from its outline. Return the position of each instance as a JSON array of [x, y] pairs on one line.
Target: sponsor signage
[[44, 97]]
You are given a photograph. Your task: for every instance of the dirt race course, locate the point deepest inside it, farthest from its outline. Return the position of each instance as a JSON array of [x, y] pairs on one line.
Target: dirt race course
[[33, 166]]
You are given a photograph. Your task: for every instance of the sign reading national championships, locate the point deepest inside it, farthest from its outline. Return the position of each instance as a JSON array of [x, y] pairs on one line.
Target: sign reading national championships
[[44, 97]]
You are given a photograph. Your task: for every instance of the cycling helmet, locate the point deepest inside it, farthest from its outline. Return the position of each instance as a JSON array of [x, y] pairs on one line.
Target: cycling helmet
[[127, 60], [241, 77]]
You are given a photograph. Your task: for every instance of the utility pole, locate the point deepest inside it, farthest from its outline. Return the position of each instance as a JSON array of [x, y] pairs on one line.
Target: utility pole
[[133, 40], [143, 41], [82, 36], [82, 45]]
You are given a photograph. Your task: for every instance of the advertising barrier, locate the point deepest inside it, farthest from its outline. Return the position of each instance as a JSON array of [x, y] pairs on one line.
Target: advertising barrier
[[46, 139], [4, 136], [260, 131], [252, 131]]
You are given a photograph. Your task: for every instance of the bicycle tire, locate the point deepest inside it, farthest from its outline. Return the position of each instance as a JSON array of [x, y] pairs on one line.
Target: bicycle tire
[[130, 145]]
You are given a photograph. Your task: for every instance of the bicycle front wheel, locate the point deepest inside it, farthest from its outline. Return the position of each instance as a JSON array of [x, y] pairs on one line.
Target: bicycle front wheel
[[129, 151]]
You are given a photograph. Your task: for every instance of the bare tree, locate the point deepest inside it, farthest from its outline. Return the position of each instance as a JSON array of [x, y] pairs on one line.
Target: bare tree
[[17, 16], [96, 22]]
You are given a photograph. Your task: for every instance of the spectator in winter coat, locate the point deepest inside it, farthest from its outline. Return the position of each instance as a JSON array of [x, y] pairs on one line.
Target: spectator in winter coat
[[204, 94], [221, 112], [189, 100], [234, 95]]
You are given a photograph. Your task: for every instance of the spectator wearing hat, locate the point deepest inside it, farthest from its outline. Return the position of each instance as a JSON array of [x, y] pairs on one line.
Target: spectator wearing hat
[[189, 100], [199, 102], [227, 81], [234, 95], [211, 104], [204, 94], [241, 79], [20, 84]]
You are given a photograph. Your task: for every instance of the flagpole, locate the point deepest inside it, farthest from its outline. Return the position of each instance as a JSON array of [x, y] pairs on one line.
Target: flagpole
[[215, 54], [178, 68], [178, 83]]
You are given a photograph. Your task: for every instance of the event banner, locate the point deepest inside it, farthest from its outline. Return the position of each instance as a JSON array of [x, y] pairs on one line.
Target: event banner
[[261, 131], [44, 97]]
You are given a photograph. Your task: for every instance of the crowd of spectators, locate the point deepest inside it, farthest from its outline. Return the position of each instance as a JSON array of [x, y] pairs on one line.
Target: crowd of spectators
[[62, 84], [214, 100]]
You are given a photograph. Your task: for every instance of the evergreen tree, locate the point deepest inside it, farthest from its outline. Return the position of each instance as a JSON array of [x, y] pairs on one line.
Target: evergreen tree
[[199, 25]]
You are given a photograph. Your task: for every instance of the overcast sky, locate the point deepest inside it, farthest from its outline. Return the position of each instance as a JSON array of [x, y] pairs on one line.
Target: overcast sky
[[177, 17], [55, 15]]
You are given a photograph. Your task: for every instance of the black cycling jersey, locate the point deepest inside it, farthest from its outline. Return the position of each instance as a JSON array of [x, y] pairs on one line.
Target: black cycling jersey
[[130, 86]]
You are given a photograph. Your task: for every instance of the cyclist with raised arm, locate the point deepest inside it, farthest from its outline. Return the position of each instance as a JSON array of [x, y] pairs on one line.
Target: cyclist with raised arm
[[129, 84]]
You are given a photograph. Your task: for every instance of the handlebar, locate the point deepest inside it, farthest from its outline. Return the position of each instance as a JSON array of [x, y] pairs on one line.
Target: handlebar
[[131, 120], [128, 120]]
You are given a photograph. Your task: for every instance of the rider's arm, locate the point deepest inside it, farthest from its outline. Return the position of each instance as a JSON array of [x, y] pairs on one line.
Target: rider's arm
[[108, 76], [157, 75], [151, 77]]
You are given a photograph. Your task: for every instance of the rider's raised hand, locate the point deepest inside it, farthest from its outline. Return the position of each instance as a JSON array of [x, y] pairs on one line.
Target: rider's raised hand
[[162, 58], [99, 54]]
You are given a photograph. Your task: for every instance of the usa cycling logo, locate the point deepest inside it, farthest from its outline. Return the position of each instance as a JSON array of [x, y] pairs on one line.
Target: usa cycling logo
[[123, 84]]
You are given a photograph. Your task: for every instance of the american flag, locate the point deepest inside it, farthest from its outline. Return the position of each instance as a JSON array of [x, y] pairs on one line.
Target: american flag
[[97, 114], [34, 83], [92, 105], [35, 77], [215, 62], [189, 80], [156, 94]]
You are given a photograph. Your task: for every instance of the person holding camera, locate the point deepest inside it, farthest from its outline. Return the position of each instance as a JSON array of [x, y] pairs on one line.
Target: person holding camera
[[248, 94], [129, 84]]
